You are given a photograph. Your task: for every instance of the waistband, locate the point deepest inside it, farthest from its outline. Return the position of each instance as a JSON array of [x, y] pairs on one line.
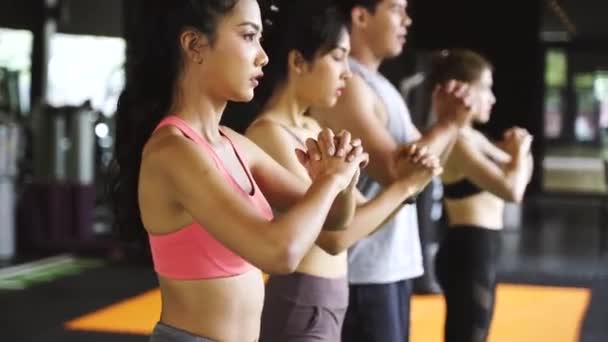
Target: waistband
[[166, 333], [305, 289]]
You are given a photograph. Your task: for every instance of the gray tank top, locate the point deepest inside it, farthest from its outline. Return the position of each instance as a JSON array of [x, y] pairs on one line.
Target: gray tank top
[[393, 252]]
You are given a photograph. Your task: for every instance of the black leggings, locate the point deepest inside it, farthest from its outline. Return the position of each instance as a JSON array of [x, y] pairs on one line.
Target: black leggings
[[466, 270]]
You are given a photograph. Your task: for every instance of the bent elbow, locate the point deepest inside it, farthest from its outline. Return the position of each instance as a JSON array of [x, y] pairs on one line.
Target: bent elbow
[[285, 261], [518, 197], [332, 248], [332, 245], [514, 196]]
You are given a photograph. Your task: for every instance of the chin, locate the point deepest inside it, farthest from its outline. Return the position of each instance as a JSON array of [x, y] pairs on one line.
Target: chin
[[244, 96], [395, 51], [483, 120], [331, 102]]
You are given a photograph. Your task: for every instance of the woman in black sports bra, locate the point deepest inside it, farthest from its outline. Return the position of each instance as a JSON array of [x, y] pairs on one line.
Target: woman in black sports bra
[[478, 178]]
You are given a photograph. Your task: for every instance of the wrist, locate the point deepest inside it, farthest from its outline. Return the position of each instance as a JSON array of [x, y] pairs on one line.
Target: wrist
[[451, 125], [517, 159], [409, 191], [330, 181]]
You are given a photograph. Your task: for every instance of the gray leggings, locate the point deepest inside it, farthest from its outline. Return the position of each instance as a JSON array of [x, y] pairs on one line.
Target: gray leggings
[[300, 307], [166, 333]]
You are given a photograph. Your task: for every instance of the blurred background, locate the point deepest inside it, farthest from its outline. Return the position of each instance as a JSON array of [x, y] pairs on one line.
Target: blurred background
[[64, 275]]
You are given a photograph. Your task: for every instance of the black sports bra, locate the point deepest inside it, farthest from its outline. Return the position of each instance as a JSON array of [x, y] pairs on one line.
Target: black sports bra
[[460, 189]]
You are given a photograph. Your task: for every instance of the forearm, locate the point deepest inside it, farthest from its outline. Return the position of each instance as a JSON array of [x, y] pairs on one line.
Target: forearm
[[298, 228], [368, 218], [530, 165], [342, 210], [440, 139], [517, 174]]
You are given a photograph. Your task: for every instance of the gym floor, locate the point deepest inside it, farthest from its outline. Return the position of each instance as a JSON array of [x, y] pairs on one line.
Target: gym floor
[[553, 287]]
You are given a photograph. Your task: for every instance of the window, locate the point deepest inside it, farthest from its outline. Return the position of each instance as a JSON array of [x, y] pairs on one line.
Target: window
[[83, 67], [15, 66]]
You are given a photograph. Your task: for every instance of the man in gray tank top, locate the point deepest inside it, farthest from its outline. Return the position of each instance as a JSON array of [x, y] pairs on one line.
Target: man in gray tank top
[[382, 265]]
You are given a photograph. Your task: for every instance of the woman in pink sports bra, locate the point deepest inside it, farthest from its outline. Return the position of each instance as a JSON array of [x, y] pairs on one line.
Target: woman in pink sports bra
[[202, 192]]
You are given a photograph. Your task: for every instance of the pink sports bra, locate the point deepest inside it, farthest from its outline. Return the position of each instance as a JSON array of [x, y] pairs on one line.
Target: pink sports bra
[[191, 252]]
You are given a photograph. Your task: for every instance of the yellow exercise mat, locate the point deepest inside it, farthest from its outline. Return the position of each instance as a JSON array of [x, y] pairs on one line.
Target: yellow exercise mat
[[523, 313]]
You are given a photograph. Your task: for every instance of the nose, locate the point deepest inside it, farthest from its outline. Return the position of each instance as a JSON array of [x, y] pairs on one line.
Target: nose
[[347, 74], [407, 20], [262, 58]]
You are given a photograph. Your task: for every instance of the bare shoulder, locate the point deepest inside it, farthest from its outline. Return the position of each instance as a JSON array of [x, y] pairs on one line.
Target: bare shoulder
[[169, 150], [466, 143], [452, 169], [252, 145], [243, 143], [260, 128], [270, 137], [357, 94], [480, 137]]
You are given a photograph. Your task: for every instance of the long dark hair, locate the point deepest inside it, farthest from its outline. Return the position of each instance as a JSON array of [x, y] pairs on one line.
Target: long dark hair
[[310, 27], [154, 64]]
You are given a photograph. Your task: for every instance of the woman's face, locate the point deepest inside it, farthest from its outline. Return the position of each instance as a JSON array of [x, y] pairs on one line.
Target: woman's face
[[232, 66], [484, 97], [325, 77]]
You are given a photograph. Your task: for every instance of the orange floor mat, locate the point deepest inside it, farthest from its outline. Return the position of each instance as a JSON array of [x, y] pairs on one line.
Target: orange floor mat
[[136, 315], [523, 313]]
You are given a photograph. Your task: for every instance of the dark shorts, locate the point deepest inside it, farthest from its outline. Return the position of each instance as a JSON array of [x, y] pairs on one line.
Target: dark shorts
[[166, 333], [301, 308]]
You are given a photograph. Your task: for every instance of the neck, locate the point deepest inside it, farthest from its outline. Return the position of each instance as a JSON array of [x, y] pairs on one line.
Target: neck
[[467, 128], [286, 106], [362, 52], [200, 109]]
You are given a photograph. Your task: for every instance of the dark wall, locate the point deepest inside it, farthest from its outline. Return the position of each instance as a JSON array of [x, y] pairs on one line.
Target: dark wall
[[95, 17], [507, 33], [18, 13]]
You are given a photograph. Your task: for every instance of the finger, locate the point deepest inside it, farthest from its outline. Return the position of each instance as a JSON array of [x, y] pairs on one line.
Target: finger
[[457, 89], [356, 142], [302, 157], [421, 153], [438, 89], [354, 153], [411, 150], [436, 164], [428, 161], [463, 91], [449, 87], [362, 159], [326, 142], [313, 151], [343, 145]]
